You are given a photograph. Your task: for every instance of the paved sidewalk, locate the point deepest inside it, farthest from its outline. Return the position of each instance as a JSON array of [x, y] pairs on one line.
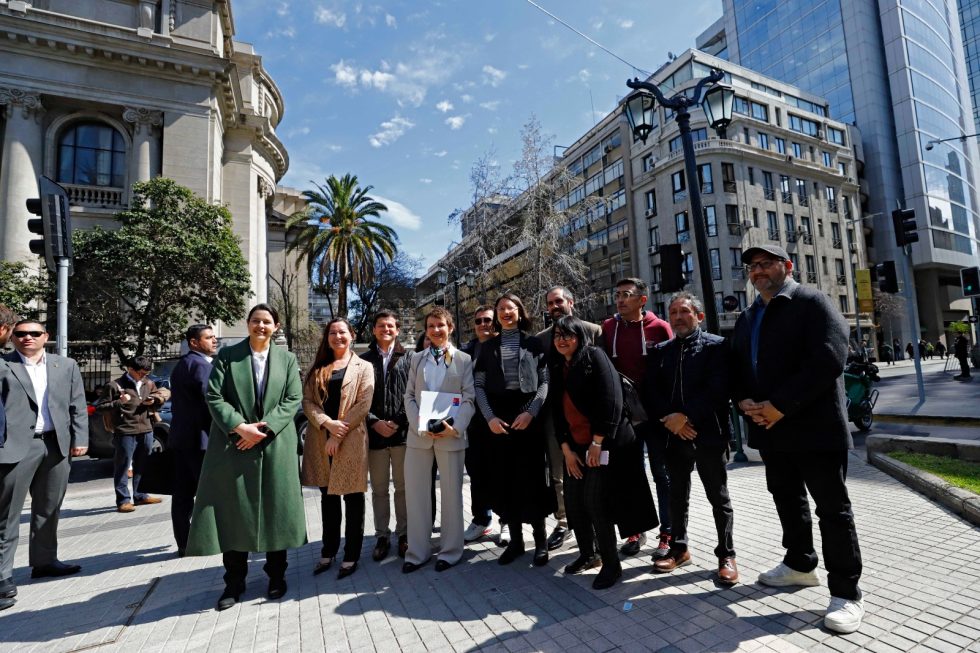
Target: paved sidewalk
[[921, 580], [946, 398]]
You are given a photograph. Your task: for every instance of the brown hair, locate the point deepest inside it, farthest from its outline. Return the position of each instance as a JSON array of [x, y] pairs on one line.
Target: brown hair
[[523, 321], [7, 316], [439, 311]]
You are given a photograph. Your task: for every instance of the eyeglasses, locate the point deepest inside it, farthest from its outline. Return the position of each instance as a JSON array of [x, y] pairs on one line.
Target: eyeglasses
[[24, 334], [483, 320], [763, 265], [564, 337], [625, 294]]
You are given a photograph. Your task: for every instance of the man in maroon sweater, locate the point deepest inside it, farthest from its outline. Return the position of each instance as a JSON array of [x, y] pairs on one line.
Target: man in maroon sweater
[[629, 338]]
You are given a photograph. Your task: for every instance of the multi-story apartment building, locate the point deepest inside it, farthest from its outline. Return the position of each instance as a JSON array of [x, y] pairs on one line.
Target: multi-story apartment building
[[896, 68], [784, 174], [98, 94]]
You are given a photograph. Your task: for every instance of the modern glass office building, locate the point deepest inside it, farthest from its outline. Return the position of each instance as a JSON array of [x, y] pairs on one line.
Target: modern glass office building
[[970, 27], [897, 69]]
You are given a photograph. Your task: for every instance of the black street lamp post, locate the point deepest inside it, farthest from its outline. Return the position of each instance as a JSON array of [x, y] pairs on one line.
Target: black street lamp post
[[460, 275], [717, 105]]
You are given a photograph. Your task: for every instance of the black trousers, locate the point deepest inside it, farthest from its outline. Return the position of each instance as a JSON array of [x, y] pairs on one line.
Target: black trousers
[[682, 456], [480, 469], [353, 526], [236, 566], [588, 505], [964, 366], [789, 476], [187, 473]]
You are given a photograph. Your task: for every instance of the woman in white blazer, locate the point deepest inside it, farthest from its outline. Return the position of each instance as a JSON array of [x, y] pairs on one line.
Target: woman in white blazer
[[440, 368]]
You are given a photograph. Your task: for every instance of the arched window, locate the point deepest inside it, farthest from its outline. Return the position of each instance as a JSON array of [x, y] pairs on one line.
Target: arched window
[[92, 154]]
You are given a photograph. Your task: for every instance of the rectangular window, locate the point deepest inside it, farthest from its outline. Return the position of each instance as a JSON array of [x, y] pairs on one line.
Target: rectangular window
[[823, 264], [781, 145], [755, 217], [688, 267], [728, 177], [773, 221], [801, 192], [648, 163], [742, 299], [806, 233], [710, 220], [678, 185], [831, 194], [617, 200], [810, 263], [763, 141], [592, 156], [741, 106], [767, 187], [675, 144], [751, 176], [842, 168], [614, 171], [803, 125], [797, 150], [835, 235], [714, 255], [760, 112], [704, 176], [594, 183], [835, 136], [828, 160], [731, 214], [844, 306], [784, 189], [655, 236], [651, 198], [790, 222], [736, 256], [683, 231]]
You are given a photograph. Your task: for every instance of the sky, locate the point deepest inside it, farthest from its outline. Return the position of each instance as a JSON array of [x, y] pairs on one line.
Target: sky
[[408, 95]]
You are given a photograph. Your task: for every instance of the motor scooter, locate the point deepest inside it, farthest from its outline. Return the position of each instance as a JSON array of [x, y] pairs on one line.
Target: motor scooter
[[859, 380]]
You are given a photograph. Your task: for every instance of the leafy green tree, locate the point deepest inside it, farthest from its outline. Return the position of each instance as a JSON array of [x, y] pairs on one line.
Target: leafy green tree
[[20, 288], [174, 259], [337, 236]]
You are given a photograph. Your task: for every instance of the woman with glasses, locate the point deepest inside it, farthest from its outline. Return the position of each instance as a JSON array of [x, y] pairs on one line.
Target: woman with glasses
[[603, 459], [336, 399], [511, 386], [249, 498]]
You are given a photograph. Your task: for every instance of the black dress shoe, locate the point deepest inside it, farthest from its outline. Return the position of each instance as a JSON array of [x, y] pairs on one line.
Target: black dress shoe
[[409, 567], [229, 597], [443, 565], [322, 566], [557, 538], [540, 556], [7, 603], [513, 551], [607, 577], [7, 589], [582, 563], [344, 572], [277, 588], [55, 569], [381, 549]]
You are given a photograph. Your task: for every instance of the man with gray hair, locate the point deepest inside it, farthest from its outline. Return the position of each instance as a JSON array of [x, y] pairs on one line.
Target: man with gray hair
[[687, 390], [560, 303]]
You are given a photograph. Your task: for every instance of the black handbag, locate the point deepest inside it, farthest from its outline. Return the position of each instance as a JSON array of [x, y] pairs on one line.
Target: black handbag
[[633, 408]]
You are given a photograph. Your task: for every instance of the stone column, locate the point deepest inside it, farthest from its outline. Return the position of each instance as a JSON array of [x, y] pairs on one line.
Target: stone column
[[145, 124], [266, 190], [23, 142]]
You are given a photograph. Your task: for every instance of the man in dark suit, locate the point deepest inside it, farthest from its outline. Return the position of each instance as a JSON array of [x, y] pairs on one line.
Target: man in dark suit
[[560, 303], [7, 319], [789, 351], [189, 425], [47, 423]]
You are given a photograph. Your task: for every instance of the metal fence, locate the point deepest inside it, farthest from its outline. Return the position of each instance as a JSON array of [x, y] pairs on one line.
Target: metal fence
[[99, 364]]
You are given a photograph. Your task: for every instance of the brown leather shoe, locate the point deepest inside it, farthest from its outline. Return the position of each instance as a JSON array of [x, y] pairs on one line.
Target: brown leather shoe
[[671, 562], [727, 571], [125, 507], [148, 501]]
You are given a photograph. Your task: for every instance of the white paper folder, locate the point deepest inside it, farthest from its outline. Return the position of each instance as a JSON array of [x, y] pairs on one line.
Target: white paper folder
[[437, 405]]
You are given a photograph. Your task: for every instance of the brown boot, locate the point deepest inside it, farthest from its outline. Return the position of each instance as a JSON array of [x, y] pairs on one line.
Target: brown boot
[[727, 571], [674, 560]]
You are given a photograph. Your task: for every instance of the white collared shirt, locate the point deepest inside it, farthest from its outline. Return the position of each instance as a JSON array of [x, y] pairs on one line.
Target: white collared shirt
[[39, 379], [209, 359], [258, 370], [138, 384], [434, 371], [386, 357]]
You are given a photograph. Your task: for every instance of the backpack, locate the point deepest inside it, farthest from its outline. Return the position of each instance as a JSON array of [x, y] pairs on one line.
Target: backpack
[[109, 422], [633, 408]]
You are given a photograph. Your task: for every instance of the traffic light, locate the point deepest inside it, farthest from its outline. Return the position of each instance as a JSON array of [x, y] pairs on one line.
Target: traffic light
[[905, 228], [970, 278], [53, 225], [887, 277], [671, 268]]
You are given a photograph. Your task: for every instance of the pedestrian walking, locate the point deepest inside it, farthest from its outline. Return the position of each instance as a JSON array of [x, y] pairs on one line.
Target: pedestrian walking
[[961, 349]]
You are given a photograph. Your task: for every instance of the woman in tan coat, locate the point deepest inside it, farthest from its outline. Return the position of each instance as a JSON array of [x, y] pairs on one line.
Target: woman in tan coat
[[336, 399]]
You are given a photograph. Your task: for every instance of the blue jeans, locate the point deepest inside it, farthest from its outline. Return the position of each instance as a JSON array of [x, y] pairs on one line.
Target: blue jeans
[[655, 439], [130, 450]]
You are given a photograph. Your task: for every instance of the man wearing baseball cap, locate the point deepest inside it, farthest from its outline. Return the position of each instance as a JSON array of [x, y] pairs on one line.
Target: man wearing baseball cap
[[789, 348]]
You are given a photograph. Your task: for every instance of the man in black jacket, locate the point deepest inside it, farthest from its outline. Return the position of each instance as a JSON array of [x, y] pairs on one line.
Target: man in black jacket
[[687, 390], [961, 349], [789, 350], [387, 427]]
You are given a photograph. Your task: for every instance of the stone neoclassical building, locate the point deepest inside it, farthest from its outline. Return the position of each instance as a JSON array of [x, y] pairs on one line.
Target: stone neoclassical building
[[98, 94]]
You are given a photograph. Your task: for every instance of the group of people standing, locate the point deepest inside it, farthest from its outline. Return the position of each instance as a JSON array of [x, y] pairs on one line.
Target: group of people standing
[[552, 423]]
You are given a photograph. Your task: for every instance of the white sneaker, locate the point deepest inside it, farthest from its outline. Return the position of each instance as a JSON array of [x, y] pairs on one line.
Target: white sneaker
[[783, 576], [844, 616], [476, 531], [504, 538]]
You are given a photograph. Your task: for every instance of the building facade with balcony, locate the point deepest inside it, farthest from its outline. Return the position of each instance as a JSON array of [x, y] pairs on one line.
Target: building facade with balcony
[[99, 94], [783, 174]]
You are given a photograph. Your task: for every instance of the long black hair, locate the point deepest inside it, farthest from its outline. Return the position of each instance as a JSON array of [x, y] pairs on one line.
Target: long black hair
[[569, 325]]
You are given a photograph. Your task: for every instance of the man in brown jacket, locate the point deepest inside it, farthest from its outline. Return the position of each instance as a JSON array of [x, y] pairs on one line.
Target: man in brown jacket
[[133, 398]]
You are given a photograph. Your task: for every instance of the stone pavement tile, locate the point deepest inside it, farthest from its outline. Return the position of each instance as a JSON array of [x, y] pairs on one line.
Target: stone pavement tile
[[942, 646], [954, 638]]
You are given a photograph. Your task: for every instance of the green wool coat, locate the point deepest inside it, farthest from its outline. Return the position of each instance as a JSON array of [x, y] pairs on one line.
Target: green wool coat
[[250, 500]]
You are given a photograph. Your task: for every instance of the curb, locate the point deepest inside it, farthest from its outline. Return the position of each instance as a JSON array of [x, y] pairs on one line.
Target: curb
[[964, 503], [934, 420]]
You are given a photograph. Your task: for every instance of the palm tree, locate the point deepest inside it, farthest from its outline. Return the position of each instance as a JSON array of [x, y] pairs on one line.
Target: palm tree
[[337, 236]]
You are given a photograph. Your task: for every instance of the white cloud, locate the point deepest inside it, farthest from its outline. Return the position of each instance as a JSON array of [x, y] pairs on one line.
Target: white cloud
[[390, 131], [344, 74], [390, 21], [523, 66], [455, 122], [491, 130], [445, 106], [400, 214], [493, 76], [425, 180], [584, 75], [626, 23], [376, 79], [283, 9], [466, 97], [331, 147], [597, 25], [325, 16], [281, 33], [440, 153], [488, 38], [301, 131], [492, 105]]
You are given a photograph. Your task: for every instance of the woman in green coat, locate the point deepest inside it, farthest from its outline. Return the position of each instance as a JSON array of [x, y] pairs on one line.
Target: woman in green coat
[[249, 498]]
